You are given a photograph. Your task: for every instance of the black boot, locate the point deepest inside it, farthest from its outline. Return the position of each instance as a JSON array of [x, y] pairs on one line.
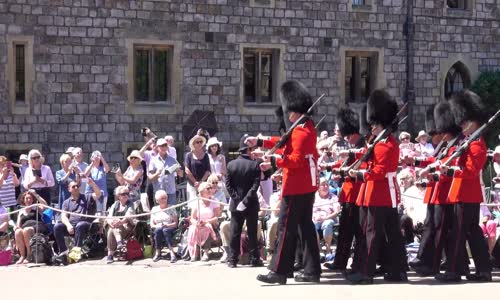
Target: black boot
[[272, 277], [448, 277], [333, 267], [359, 278], [306, 278], [401, 277], [415, 263], [480, 277], [424, 271]]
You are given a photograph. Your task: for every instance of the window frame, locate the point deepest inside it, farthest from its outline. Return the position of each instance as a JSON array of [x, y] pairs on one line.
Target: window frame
[[20, 107], [278, 77], [173, 104], [468, 10], [259, 52], [377, 74], [253, 3], [152, 49], [368, 6]]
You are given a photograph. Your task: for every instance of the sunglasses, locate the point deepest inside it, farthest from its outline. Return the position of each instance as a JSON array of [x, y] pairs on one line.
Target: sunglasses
[[209, 188], [133, 157], [35, 157], [214, 182], [198, 142], [164, 145], [124, 194], [75, 186], [323, 149], [405, 139]]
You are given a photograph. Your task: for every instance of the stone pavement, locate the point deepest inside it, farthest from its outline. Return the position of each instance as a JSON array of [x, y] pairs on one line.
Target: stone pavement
[[208, 280]]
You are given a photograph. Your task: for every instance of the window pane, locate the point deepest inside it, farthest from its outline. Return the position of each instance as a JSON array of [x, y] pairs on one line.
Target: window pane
[[358, 2], [266, 94], [160, 75], [20, 74], [249, 77], [349, 82], [365, 77], [452, 3], [142, 74]]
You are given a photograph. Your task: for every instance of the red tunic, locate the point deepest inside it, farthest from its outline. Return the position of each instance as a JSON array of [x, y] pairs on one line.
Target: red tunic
[[381, 187], [442, 187], [299, 153], [466, 184], [350, 188], [430, 184]]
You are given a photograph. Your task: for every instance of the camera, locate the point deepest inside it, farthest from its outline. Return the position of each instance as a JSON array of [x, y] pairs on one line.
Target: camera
[[148, 134]]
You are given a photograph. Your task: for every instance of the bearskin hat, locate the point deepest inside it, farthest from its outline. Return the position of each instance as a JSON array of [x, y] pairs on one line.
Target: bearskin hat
[[347, 121], [295, 96], [430, 124], [278, 112], [444, 120], [381, 109], [364, 127], [467, 106]]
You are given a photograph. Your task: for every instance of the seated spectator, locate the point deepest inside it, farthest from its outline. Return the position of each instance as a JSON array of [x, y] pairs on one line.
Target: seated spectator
[[67, 174], [164, 223], [38, 176], [29, 222], [8, 183], [119, 228], [423, 148], [133, 176], [73, 224], [203, 223], [489, 227], [217, 191], [412, 209], [406, 148], [323, 136], [97, 170], [325, 212]]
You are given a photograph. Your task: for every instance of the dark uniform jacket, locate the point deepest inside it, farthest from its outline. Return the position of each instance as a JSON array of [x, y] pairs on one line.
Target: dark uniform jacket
[[243, 181]]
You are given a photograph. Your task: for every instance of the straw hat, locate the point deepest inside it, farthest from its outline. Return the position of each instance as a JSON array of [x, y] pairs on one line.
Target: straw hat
[[197, 138], [404, 134], [213, 141], [421, 133], [135, 153]]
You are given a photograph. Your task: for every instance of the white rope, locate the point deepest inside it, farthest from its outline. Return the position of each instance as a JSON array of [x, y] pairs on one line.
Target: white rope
[[482, 203]]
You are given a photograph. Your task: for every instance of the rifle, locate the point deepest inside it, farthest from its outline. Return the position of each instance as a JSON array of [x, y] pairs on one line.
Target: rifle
[[382, 135], [319, 122], [284, 138], [475, 135]]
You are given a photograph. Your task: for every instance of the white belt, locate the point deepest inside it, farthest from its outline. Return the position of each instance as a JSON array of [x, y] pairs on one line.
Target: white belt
[[312, 168], [392, 188]]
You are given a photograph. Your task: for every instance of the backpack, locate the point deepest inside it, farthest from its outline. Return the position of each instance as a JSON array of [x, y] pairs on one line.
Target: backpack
[[41, 252], [134, 250]]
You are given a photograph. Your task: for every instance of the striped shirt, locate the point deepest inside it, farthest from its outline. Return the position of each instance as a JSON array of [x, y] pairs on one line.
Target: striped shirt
[[8, 192]]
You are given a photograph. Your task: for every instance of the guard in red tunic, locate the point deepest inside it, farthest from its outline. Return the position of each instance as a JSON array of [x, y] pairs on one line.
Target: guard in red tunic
[[379, 197], [466, 195], [300, 182], [348, 124], [436, 231]]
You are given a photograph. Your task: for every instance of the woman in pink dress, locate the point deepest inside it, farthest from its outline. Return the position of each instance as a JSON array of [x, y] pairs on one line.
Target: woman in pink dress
[[203, 222]]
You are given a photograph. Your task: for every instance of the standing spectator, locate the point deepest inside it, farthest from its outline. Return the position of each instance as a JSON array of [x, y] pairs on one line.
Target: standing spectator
[[23, 161], [149, 151], [82, 166], [323, 136], [8, 183], [217, 159], [97, 171], [164, 223], [159, 174], [171, 149], [67, 174], [423, 148], [496, 180], [119, 228], [38, 176], [197, 165], [203, 221], [217, 192], [28, 223], [74, 224], [4, 220], [406, 148], [132, 178]]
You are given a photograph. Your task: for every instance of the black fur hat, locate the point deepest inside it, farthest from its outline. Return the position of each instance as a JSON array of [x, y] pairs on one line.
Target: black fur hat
[[381, 109], [347, 121], [430, 124], [467, 106], [445, 122], [364, 127], [295, 96]]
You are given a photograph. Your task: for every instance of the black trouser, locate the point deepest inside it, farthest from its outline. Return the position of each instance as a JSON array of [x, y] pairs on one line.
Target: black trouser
[[151, 195], [426, 249], [348, 229], [380, 224], [295, 213], [251, 216], [465, 226], [443, 216]]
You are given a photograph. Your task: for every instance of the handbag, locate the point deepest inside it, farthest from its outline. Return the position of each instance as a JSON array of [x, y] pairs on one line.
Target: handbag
[[134, 250], [75, 255], [5, 257]]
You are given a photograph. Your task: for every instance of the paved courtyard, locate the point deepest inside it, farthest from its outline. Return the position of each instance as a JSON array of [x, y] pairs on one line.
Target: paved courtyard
[[147, 280]]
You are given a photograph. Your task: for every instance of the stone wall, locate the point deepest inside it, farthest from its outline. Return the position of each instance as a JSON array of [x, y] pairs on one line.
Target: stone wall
[[80, 60]]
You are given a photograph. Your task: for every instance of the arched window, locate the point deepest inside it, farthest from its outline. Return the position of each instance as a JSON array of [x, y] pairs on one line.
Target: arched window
[[457, 79]]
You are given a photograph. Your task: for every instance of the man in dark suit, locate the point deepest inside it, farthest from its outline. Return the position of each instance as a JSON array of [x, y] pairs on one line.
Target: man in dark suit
[[242, 183]]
